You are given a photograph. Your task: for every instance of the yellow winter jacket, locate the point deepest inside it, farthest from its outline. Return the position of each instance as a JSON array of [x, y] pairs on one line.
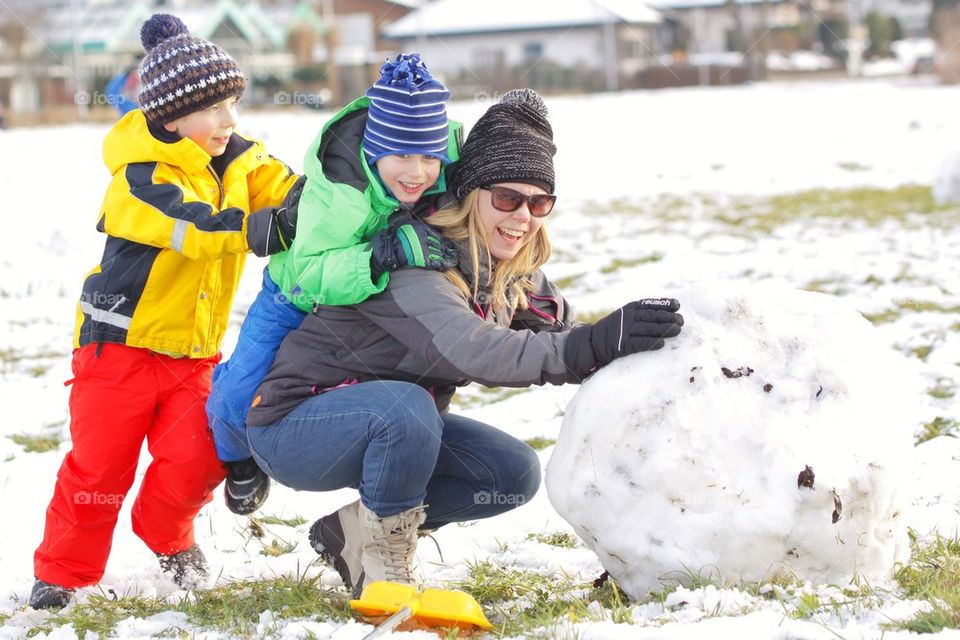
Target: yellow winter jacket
[[175, 221]]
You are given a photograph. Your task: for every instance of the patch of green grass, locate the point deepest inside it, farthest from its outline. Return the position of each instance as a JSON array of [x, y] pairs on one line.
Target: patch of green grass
[[277, 547], [36, 443], [567, 281], [11, 357], [939, 426], [872, 206], [490, 582], [669, 208], [853, 166], [100, 614], [38, 370], [590, 317], [295, 521], [561, 539], [833, 287], [933, 574], [620, 263], [519, 602], [483, 396], [809, 604], [883, 317], [922, 306], [942, 391], [233, 609], [914, 306], [540, 443], [922, 352], [612, 599]]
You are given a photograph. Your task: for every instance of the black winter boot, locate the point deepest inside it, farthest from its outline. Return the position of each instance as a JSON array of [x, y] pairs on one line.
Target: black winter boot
[[246, 487], [49, 596], [336, 537], [187, 568]]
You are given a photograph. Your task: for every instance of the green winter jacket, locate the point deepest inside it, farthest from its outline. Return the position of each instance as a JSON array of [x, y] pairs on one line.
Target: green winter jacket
[[343, 204]]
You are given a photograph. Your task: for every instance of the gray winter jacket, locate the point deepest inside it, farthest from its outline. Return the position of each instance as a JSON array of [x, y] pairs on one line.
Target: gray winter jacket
[[421, 329]]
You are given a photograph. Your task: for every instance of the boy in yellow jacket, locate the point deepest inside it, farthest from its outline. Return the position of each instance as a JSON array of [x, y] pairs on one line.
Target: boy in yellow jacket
[[152, 314]]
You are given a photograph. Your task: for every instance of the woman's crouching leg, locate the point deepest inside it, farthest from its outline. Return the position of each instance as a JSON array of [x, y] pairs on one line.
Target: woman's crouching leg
[[481, 472], [380, 437]]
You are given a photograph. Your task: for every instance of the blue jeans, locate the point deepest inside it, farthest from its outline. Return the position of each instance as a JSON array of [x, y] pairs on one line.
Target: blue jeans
[[386, 439], [270, 318]]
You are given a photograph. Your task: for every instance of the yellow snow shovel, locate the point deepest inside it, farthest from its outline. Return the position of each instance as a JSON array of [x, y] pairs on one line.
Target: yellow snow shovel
[[430, 608]]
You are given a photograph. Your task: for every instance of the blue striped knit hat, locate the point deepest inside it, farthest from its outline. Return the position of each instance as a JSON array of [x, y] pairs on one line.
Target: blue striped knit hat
[[407, 113], [182, 73]]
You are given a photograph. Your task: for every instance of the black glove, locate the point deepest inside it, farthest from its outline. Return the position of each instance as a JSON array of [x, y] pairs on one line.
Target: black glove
[[638, 326], [409, 242], [287, 215], [272, 229], [246, 488]]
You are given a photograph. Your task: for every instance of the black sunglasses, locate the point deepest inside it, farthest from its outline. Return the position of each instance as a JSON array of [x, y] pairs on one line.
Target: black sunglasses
[[506, 199]]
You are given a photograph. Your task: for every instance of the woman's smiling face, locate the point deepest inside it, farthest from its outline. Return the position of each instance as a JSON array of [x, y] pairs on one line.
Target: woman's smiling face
[[507, 232]]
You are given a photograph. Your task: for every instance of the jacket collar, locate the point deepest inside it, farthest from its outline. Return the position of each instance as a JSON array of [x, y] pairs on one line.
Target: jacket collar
[[132, 139], [483, 296]]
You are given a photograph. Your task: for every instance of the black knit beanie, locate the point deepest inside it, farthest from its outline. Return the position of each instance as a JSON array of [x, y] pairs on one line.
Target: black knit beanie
[[182, 73], [511, 142]]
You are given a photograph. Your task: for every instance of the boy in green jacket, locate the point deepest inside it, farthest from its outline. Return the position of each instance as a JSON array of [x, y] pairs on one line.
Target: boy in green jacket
[[381, 153]]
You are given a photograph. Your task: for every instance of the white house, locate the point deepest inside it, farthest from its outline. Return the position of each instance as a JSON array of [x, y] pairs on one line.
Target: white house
[[568, 44], [708, 26]]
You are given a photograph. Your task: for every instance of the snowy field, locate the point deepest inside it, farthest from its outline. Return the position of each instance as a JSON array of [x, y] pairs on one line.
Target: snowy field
[[819, 186]]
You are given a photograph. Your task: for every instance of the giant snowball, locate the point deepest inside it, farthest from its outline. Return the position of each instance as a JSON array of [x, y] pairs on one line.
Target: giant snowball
[[772, 437]]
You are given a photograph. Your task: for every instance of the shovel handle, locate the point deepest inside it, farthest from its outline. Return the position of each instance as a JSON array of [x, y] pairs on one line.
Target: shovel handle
[[390, 623]]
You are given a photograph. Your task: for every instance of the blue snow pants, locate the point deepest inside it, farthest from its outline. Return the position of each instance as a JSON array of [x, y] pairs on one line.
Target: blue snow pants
[[270, 318]]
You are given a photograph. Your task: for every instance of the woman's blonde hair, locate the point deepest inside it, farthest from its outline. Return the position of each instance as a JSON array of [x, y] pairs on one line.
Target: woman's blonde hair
[[508, 282]]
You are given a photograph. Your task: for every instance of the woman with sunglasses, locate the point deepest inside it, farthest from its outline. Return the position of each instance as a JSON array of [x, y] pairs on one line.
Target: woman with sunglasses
[[358, 396]]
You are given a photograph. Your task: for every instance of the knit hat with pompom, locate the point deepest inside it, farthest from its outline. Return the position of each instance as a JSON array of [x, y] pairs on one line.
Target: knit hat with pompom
[[408, 111], [511, 142], [182, 73]]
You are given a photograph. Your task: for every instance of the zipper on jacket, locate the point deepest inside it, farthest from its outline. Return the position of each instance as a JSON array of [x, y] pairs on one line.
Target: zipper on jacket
[[117, 304], [226, 167], [219, 185]]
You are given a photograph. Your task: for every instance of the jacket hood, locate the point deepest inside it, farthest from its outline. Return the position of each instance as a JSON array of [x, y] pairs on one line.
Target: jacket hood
[[335, 157], [131, 140]]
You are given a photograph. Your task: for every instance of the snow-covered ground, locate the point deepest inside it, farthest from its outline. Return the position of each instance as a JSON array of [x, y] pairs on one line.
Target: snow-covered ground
[[644, 180]]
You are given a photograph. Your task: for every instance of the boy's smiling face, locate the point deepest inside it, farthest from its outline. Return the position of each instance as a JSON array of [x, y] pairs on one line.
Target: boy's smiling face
[[210, 128], [408, 176]]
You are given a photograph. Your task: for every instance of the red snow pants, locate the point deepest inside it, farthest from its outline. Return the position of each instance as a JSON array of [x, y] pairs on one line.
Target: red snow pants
[[122, 395]]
